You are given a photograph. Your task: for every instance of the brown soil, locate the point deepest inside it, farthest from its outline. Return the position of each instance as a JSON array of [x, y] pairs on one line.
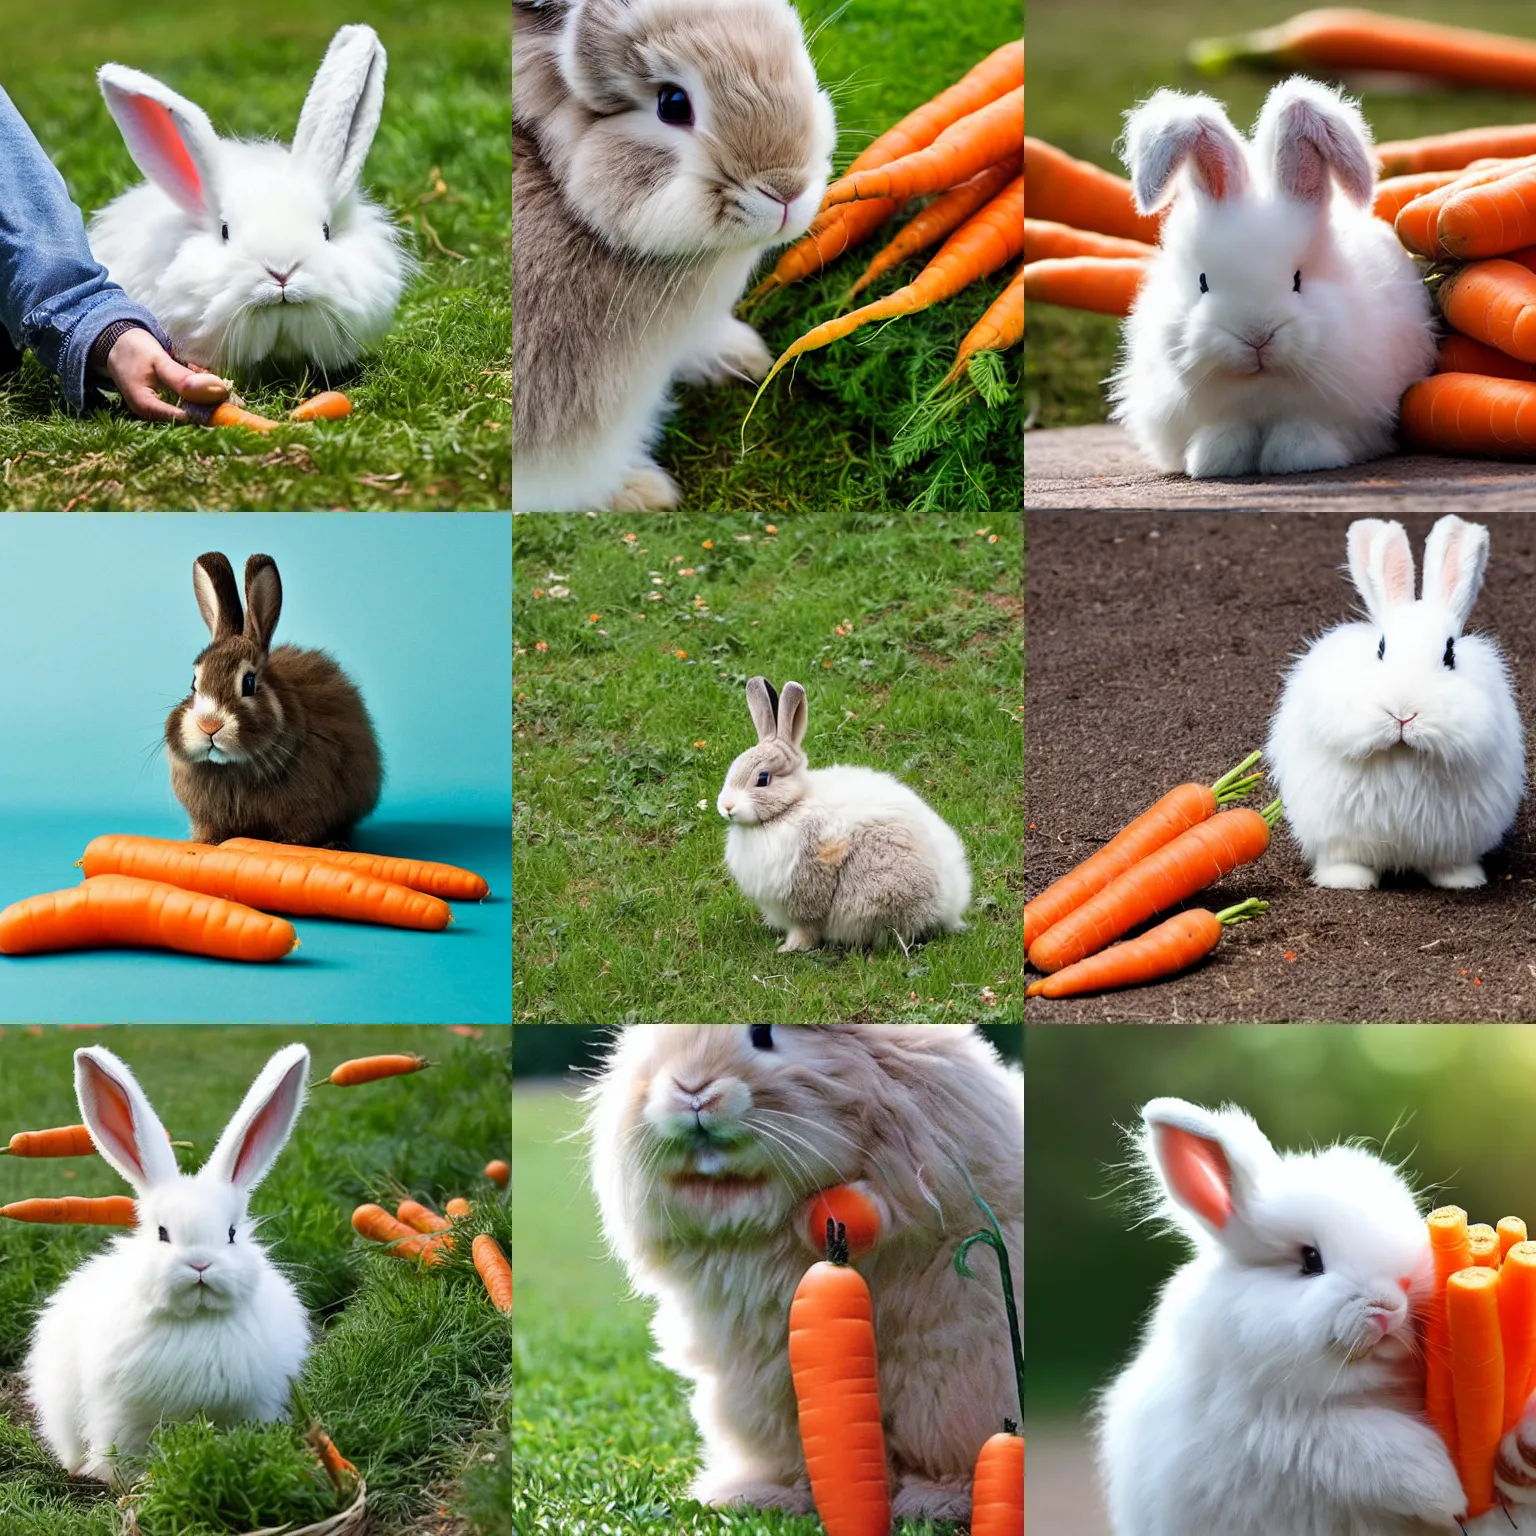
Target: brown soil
[[1156, 645]]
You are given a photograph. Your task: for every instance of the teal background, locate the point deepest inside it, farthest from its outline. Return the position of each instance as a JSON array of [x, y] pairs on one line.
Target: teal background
[[98, 630]]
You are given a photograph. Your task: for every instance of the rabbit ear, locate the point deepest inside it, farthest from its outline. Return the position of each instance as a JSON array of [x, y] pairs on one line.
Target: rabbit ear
[[218, 598], [252, 1140], [127, 1132], [1380, 564], [1170, 130], [793, 714], [170, 138], [1209, 1164], [763, 704], [263, 599], [1455, 557], [341, 112], [1310, 133]]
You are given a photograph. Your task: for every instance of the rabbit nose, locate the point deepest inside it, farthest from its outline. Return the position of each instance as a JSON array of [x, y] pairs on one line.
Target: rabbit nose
[[281, 278], [198, 1267], [209, 725]]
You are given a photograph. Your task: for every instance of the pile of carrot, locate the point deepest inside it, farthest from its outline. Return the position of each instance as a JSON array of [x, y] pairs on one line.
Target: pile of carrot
[[963, 149], [1479, 1342], [155, 893], [416, 1231], [1186, 841]]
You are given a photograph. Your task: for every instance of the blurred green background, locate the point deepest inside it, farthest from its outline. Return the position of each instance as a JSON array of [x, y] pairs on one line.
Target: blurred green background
[[1091, 60]]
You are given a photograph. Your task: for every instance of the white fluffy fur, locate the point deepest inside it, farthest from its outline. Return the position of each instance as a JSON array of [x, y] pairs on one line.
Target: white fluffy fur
[[137, 1334], [1366, 793], [704, 1151], [219, 299], [1263, 1401], [1199, 387]]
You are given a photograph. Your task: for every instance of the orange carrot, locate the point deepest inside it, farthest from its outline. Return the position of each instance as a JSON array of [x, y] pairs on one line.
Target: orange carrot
[[1484, 1243], [342, 1473], [369, 1069], [1517, 1326], [1082, 195], [1493, 302], [1511, 1230], [1455, 151], [1489, 219], [73, 1210], [942, 215], [1346, 40], [1467, 413], [1177, 811], [1107, 285], [498, 1172], [1394, 193], [994, 133], [997, 1493], [847, 1207], [836, 1379], [1451, 1254], [1048, 241], [374, 1222], [120, 912], [1165, 950], [1460, 354], [445, 880], [1418, 221], [1477, 1379], [981, 245], [229, 414], [61, 1141], [1175, 872], [458, 1207], [494, 1270], [328, 405], [305, 887], [831, 233], [1000, 327], [421, 1218]]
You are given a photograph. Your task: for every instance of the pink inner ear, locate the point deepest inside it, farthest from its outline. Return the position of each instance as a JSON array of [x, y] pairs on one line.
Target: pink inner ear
[[159, 127], [1214, 164], [258, 1133], [1198, 1172], [1397, 572], [115, 1113], [1302, 172], [1452, 566]]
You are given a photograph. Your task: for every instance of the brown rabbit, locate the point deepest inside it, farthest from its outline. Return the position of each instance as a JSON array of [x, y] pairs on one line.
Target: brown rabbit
[[274, 744]]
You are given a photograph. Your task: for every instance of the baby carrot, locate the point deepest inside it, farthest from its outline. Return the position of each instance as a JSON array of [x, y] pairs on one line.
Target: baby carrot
[[1517, 1327], [498, 1172], [73, 1210], [60, 1141], [997, 1491], [494, 1271], [374, 1222], [368, 1069], [1175, 812], [458, 1206], [1477, 1379], [231, 415], [1451, 1253], [1484, 1243], [421, 1218], [445, 880], [1165, 950], [1511, 1230], [328, 405], [342, 1473]]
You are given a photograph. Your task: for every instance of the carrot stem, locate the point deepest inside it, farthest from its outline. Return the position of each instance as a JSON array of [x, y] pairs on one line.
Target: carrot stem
[[1236, 782], [1242, 911], [993, 1238]]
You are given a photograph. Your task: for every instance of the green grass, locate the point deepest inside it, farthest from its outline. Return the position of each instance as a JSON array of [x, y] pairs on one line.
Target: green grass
[[1091, 61], [410, 1373], [625, 909], [602, 1439], [826, 432], [432, 405]]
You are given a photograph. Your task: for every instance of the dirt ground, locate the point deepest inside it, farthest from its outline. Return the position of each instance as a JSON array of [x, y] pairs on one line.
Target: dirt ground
[[1156, 645], [1099, 467], [1061, 1493]]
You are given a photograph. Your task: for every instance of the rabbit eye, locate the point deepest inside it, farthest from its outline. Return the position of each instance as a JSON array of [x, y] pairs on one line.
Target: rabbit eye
[[1296, 281], [763, 780], [231, 1234], [248, 685], [1204, 287], [673, 106], [325, 229], [1381, 648], [224, 233], [1450, 653], [762, 1037], [1311, 1261], [165, 1236]]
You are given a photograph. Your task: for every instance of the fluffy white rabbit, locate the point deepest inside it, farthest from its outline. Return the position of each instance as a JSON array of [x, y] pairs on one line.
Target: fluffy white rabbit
[[186, 1314], [707, 1141], [1277, 1389], [1397, 744], [1280, 321], [247, 250]]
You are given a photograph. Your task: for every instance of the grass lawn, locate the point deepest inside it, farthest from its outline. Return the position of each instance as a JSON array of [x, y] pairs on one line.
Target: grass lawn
[[431, 405], [830, 430], [1092, 60], [409, 1373], [601, 1436], [906, 631]]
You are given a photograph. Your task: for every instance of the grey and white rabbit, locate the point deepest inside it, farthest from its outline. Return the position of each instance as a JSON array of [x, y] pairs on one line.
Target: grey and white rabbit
[[660, 147], [272, 743], [186, 1314], [839, 855]]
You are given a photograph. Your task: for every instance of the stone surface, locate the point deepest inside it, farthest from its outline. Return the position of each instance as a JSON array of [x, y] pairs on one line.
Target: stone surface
[[1085, 467]]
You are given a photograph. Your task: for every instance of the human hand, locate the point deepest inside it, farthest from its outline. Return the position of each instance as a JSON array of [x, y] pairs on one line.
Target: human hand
[[140, 368]]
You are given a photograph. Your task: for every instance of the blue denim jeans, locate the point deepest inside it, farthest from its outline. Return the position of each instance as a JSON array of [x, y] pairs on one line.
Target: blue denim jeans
[[55, 297]]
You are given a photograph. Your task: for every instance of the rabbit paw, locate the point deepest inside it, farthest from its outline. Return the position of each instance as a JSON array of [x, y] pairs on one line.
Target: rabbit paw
[[1459, 877], [1515, 1470], [648, 488], [1345, 877], [1302, 445], [799, 938], [919, 1499], [736, 352], [1219, 451], [722, 1490]]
